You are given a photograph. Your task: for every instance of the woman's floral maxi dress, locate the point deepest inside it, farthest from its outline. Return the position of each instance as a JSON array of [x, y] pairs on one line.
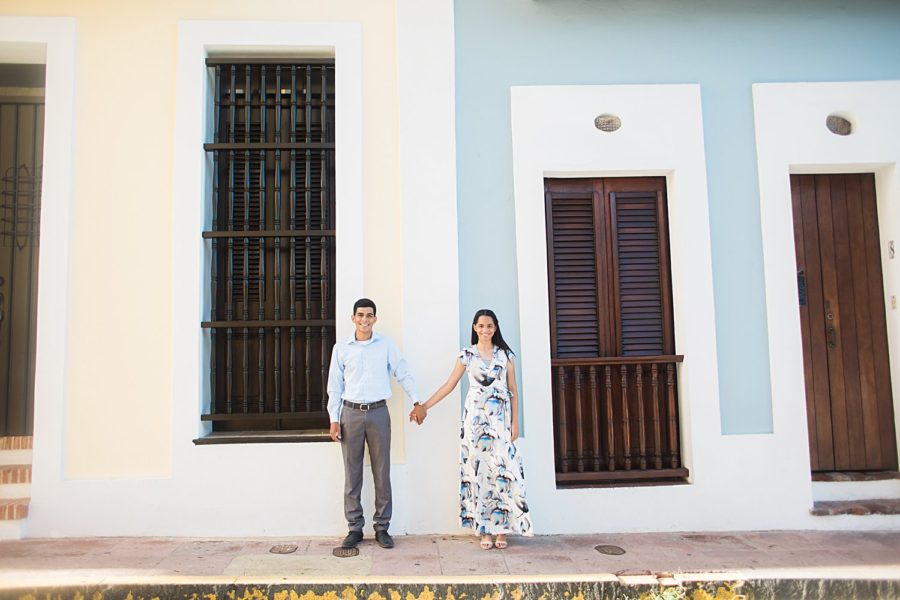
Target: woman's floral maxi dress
[[492, 480]]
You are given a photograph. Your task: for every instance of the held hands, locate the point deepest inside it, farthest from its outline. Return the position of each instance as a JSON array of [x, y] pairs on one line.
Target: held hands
[[335, 432], [418, 414]]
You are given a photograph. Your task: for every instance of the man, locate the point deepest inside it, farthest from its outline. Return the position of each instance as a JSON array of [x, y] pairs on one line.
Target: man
[[358, 388]]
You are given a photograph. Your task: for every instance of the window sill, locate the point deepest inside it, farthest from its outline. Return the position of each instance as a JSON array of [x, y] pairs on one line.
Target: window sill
[[635, 477], [263, 437]]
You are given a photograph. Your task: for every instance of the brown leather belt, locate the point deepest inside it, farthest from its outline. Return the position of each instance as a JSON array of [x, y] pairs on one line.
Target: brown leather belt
[[364, 406]]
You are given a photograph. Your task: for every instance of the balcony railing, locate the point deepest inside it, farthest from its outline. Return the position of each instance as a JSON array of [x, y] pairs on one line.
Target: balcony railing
[[616, 420]]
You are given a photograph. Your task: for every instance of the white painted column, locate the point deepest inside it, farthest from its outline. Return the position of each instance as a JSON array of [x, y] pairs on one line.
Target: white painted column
[[425, 54], [52, 41]]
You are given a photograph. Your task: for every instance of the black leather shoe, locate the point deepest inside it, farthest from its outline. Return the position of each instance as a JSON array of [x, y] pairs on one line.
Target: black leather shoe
[[384, 539], [353, 538]]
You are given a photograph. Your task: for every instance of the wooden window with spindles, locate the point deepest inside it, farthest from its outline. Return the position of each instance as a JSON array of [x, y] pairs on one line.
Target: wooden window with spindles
[[612, 334], [272, 248]]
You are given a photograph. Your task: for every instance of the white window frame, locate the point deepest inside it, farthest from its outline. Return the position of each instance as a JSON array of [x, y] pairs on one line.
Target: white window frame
[[791, 138], [54, 42], [193, 180], [553, 135]]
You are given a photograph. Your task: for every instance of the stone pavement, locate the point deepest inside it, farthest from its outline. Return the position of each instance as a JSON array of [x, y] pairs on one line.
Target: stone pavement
[[75, 566]]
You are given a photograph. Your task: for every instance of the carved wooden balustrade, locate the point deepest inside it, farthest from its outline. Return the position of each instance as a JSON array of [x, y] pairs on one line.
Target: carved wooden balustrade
[[616, 419]]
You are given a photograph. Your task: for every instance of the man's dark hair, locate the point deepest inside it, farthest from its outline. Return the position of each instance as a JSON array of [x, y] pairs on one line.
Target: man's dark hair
[[364, 303]]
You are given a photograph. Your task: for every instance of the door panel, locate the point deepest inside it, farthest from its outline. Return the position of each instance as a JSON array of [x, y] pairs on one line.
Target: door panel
[[833, 324], [815, 362], [846, 370], [21, 143], [868, 449]]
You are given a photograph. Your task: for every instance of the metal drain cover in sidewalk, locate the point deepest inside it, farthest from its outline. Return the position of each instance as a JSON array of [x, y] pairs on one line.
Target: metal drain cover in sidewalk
[[345, 552], [611, 550], [283, 548]]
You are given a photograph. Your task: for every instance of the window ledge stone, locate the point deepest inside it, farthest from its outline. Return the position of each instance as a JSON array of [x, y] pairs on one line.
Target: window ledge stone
[[263, 437]]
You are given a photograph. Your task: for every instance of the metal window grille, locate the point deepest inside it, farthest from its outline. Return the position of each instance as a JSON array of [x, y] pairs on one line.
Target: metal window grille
[[272, 243]]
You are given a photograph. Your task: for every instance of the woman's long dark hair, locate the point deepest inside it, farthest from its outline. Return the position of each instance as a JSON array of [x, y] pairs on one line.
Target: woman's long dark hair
[[497, 338]]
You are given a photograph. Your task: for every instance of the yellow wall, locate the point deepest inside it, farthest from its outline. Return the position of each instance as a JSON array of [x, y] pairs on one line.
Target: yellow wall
[[118, 416]]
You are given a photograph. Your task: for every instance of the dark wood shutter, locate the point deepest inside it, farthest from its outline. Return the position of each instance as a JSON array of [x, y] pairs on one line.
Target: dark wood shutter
[[574, 274], [641, 265], [609, 267], [612, 333]]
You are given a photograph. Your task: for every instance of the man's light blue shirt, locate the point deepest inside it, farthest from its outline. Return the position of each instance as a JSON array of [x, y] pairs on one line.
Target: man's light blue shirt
[[361, 370]]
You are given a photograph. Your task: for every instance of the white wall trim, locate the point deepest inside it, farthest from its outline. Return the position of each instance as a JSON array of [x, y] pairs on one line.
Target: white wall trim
[[791, 137], [206, 492], [203, 495], [53, 41], [430, 267], [662, 134], [196, 40]]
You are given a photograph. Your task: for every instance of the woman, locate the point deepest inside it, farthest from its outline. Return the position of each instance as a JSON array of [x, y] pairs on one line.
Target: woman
[[492, 480]]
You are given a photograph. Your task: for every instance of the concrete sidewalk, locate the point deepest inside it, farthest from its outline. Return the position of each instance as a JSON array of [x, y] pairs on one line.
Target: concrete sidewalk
[[649, 559]]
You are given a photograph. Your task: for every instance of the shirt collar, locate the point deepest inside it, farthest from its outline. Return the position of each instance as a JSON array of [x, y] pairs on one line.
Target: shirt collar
[[351, 339]]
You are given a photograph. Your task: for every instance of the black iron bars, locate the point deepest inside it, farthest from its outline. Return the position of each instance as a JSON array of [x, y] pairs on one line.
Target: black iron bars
[[273, 130]]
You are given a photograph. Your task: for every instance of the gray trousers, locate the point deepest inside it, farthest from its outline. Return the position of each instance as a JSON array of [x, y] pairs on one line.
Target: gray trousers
[[358, 428]]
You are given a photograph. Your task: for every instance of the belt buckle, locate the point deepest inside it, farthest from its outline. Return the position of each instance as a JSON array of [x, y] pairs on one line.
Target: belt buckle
[[364, 406]]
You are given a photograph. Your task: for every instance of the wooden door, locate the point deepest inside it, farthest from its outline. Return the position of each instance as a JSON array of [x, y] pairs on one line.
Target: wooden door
[[21, 143], [842, 317], [612, 333]]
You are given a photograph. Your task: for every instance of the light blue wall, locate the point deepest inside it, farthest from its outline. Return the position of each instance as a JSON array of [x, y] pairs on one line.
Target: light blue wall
[[725, 46]]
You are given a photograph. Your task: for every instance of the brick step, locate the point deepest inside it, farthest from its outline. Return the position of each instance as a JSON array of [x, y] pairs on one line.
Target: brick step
[[13, 509], [882, 506], [15, 442], [855, 486], [833, 476], [15, 474]]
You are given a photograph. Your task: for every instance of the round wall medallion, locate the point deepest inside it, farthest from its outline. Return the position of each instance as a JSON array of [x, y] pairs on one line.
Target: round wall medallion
[[838, 125], [607, 122]]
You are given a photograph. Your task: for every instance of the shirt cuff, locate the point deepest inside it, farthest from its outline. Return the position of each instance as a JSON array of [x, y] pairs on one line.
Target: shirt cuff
[[335, 417]]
